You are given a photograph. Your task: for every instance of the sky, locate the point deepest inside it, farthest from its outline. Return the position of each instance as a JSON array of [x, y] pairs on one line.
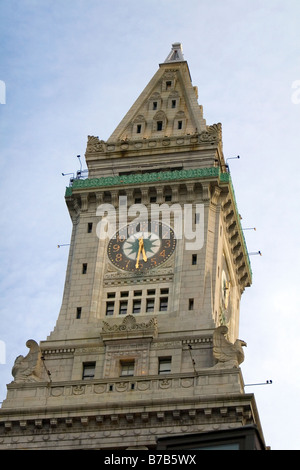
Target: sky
[[73, 68]]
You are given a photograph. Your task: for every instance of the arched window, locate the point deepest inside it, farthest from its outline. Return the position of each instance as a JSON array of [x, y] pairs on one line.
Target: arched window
[[138, 126], [159, 122], [179, 123]]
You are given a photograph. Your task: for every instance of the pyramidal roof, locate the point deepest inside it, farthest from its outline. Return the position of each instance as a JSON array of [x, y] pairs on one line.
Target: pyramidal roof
[[176, 53], [168, 106]]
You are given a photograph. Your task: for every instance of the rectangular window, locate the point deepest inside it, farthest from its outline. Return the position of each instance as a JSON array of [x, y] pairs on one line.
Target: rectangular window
[[168, 85], [88, 371], [84, 268], [163, 304], [151, 292], [136, 307], [168, 197], [164, 291], [137, 293], [179, 125], [159, 125], [123, 307], [150, 305], [110, 306], [126, 368], [194, 260], [164, 365], [152, 198], [173, 103], [154, 105], [124, 294], [78, 312], [139, 128], [111, 295], [191, 304], [90, 227]]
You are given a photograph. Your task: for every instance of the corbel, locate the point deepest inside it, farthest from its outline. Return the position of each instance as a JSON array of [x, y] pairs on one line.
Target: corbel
[[84, 202], [190, 191], [206, 192], [216, 195]]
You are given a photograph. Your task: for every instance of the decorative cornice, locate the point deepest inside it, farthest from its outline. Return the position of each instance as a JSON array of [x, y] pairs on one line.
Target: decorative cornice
[[101, 149], [87, 426], [212, 172]]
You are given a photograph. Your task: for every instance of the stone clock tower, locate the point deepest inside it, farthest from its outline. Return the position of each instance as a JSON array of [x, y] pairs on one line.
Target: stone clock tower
[[145, 348]]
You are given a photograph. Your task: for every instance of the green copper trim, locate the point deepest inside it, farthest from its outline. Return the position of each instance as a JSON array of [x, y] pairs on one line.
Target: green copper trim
[[240, 226], [68, 191], [149, 178]]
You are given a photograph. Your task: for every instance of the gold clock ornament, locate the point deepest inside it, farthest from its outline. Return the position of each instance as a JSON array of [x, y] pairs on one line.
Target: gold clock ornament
[[142, 246]]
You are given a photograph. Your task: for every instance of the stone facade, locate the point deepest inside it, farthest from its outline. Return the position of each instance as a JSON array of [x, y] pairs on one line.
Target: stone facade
[[142, 353]]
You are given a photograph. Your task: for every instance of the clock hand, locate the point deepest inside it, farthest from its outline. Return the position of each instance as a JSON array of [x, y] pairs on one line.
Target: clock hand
[[144, 254], [141, 242], [139, 252]]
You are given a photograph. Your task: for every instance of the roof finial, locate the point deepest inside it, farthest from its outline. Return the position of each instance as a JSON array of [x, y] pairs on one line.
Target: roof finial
[[176, 54]]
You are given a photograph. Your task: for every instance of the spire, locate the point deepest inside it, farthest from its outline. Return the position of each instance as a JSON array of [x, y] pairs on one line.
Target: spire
[[176, 54], [167, 106]]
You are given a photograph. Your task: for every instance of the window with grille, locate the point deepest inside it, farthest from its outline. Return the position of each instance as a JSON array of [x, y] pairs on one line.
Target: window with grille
[[136, 306], [123, 307], [110, 306], [126, 368]]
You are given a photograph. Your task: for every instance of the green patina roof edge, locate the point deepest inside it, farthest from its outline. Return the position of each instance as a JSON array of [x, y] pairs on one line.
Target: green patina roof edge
[[174, 175], [240, 227], [147, 178]]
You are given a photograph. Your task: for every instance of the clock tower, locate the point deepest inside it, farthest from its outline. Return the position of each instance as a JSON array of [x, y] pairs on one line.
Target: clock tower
[[145, 349]]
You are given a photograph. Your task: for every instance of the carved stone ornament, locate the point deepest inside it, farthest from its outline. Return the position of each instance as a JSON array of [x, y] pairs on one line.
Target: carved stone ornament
[[129, 327], [30, 367], [229, 355], [94, 144], [212, 134]]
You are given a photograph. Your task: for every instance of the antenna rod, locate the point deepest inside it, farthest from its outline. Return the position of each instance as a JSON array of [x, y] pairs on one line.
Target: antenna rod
[[78, 156], [267, 382]]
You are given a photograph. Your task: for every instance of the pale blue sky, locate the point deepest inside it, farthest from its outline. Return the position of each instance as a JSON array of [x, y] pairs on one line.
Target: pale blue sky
[[73, 68]]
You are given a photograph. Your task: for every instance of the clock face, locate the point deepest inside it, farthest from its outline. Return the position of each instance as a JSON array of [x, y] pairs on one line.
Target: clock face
[[143, 246]]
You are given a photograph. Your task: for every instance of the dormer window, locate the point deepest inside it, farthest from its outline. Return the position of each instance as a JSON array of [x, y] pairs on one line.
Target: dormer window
[[159, 125], [138, 125], [155, 102], [179, 122], [173, 99], [159, 122], [168, 85]]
